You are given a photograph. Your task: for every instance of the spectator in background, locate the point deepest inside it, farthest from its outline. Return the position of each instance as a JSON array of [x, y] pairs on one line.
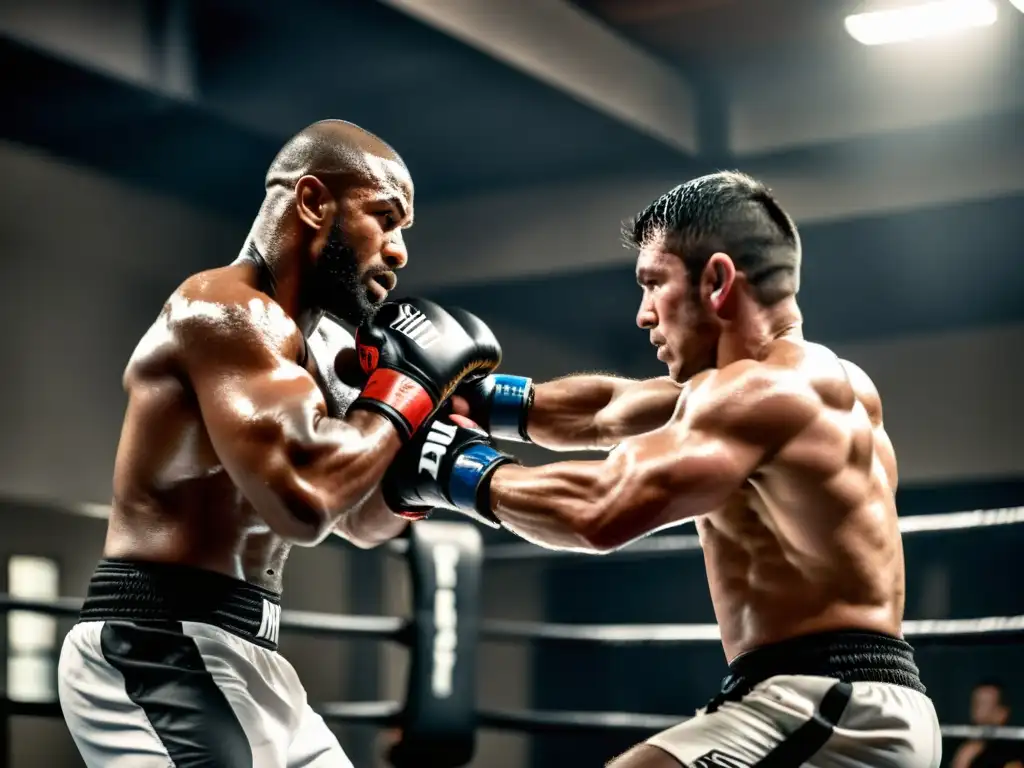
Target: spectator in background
[[989, 707]]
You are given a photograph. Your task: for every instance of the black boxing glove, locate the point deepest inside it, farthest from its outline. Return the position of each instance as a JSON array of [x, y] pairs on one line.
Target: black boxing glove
[[444, 465], [416, 353], [500, 404]]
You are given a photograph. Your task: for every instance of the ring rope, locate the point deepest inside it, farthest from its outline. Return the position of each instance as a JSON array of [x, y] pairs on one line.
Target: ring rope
[[534, 721], [655, 546], [389, 713], [394, 628], [306, 622], [986, 630], [385, 713]]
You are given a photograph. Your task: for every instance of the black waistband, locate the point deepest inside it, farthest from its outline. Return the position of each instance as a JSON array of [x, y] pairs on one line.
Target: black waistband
[[125, 590], [846, 656]]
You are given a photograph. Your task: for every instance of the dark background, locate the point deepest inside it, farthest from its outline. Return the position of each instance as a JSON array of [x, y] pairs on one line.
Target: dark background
[[134, 136]]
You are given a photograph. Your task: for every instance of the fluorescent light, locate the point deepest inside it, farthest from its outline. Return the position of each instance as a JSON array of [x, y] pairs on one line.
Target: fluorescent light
[[918, 22]]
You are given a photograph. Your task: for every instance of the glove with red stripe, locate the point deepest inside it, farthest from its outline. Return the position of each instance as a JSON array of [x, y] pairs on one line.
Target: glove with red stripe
[[416, 353]]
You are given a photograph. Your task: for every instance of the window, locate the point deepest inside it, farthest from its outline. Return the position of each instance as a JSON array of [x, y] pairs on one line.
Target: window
[[31, 637]]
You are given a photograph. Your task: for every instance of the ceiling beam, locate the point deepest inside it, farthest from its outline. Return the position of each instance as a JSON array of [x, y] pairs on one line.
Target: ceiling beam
[[878, 91], [532, 231], [147, 44], [630, 12], [559, 44]]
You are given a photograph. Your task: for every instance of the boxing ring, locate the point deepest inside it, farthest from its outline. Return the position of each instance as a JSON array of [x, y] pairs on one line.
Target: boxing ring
[[440, 716]]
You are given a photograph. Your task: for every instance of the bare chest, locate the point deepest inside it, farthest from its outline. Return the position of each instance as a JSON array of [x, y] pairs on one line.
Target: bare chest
[[742, 526], [333, 362]]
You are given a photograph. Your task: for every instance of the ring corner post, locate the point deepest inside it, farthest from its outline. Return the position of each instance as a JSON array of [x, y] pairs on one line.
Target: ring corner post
[[439, 723]]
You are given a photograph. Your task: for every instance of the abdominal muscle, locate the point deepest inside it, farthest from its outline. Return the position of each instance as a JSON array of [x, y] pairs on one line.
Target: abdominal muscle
[[773, 579]]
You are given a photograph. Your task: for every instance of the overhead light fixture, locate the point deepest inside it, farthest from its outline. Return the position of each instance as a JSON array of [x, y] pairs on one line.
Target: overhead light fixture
[[939, 18]]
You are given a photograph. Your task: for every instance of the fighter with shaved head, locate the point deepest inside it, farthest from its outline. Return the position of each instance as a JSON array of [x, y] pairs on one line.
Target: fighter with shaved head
[[251, 427]]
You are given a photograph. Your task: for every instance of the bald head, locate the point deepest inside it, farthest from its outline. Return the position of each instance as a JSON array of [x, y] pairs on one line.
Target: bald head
[[334, 151], [338, 199]]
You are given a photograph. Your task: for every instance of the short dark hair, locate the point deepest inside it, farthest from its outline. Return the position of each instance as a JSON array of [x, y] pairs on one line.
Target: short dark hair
[[729, 212]]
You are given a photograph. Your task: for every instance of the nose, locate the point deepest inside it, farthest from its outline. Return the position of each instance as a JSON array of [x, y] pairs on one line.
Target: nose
[[394, 253], [645, 316]]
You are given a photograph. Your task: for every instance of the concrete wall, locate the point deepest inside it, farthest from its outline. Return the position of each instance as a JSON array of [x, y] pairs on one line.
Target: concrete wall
[[87, 263], [952, 402], [574, 225]]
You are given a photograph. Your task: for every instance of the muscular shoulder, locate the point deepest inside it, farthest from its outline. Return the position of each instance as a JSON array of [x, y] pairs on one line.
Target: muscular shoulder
[[864, 390], [760, 402], [220, 304], [218, 313]]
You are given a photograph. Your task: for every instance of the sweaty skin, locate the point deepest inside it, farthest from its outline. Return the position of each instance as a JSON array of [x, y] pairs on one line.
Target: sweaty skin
[[227, 456], [782, 462], [592, 412]]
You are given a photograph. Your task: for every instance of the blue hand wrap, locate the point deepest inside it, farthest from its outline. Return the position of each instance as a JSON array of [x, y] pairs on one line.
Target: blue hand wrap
[[509, 403], [469, 469]]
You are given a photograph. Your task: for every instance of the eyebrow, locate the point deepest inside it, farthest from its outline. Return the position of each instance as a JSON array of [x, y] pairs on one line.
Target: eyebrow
[[645, 273], [399, 203]]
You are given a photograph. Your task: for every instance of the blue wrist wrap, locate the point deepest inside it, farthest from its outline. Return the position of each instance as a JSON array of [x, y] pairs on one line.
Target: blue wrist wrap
[[467, 472], [510, 401]]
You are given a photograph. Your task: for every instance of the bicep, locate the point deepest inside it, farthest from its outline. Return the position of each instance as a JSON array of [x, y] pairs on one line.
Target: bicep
[[638, 407], [692, 465], [257, 404], [254, 417], [676, 473]]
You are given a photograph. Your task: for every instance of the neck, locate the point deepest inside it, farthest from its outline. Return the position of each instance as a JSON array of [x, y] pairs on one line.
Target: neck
[[754, 328], [276, 236]]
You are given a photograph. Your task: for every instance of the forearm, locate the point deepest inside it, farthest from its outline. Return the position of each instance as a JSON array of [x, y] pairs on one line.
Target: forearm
[[328, 474], [561, 506], [564, 413], [371, 524], [596, 412], [599, 506]]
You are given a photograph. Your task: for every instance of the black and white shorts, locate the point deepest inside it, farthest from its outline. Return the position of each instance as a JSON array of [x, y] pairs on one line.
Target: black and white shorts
[[862, 705], [791, 720], [143, 683]]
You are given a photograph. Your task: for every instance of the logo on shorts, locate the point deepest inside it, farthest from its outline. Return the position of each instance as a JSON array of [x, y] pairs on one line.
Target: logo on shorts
[[438, 439], [718, 759], [415, 325], [270, 626]]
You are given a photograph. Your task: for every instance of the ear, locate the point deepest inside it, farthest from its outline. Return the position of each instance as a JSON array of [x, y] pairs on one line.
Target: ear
[[311, 198], [315, 205], [717, 281]]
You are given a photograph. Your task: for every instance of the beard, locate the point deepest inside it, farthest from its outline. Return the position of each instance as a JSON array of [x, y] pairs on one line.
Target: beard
[[700, 345], [336, 284], [692, 366]]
